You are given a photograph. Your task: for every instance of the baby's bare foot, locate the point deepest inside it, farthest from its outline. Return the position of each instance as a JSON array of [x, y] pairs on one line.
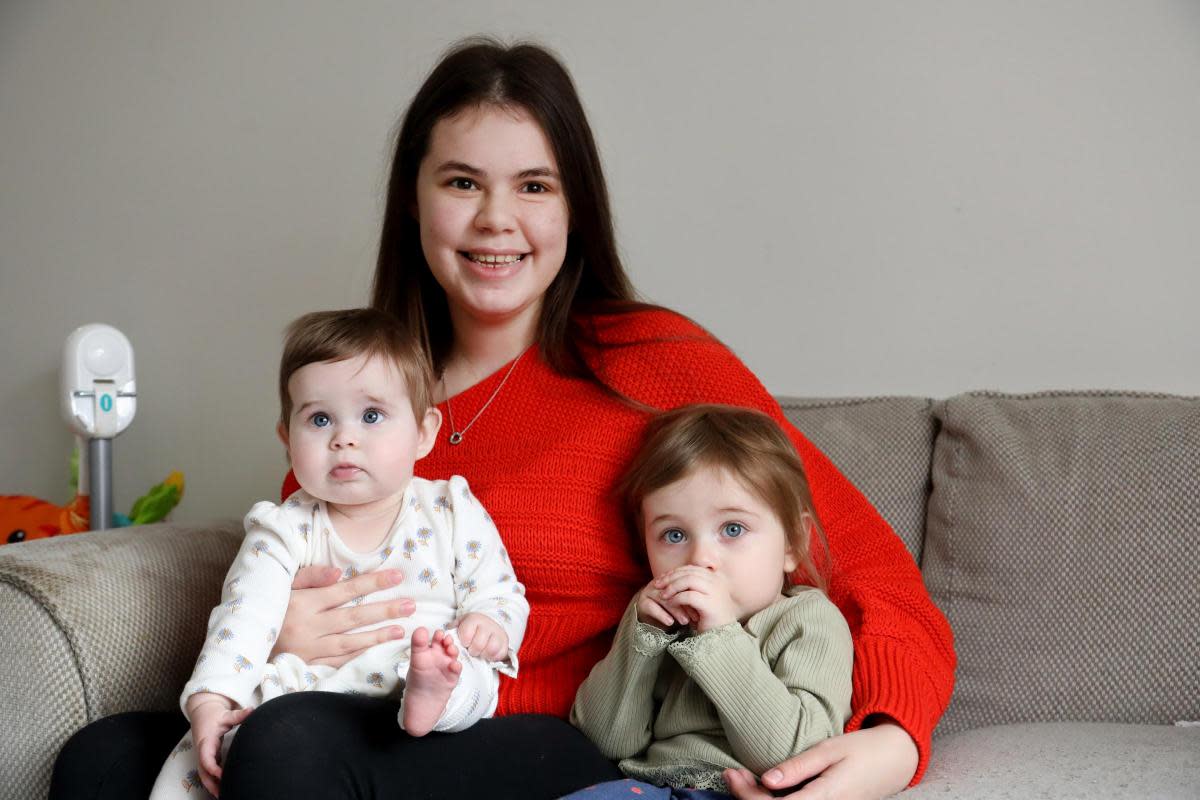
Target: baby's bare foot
[[432, 675]]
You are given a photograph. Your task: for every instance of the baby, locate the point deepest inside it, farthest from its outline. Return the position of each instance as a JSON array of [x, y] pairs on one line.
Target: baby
[[357, 414]]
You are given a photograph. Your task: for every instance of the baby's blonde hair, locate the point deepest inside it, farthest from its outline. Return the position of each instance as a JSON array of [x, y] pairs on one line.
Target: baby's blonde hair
[[753, 449]]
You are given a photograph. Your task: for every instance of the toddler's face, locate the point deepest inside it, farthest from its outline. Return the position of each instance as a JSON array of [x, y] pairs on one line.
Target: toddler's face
[[709, 519], [352, 437]]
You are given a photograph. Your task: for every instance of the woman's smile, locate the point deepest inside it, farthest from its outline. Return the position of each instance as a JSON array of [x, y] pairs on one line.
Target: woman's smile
[[491, 259], [493, 267]]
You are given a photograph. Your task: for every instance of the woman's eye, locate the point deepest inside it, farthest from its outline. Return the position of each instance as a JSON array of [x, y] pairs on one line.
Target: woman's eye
[[372, 416], [733, 529], [536, 188], [319, 420], [674, 536], [464, 184]]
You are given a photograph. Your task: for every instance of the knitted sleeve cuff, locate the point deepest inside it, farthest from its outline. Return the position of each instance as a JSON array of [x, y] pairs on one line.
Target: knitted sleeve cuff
[[887, 682]]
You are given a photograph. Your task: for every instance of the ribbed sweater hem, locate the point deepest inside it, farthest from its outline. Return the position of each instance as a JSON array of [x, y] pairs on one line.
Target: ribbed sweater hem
[[887, 682]]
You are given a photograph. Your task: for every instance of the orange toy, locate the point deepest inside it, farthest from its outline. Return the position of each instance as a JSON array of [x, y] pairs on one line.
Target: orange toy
[[24, 518]]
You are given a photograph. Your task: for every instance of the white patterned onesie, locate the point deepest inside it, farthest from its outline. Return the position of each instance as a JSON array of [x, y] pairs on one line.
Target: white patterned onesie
[[453, 563]]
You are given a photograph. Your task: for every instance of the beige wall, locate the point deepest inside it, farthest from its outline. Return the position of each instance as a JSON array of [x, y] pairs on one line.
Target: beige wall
[[860, 198]]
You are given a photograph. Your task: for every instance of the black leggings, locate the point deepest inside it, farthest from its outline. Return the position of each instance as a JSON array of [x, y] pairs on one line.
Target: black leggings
[[335, 747]]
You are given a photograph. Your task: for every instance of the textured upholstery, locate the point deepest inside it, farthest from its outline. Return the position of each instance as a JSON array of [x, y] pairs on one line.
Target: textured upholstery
[[95, 624], [1063, 544], [1064, 761], [1061, 539], [883, 445]]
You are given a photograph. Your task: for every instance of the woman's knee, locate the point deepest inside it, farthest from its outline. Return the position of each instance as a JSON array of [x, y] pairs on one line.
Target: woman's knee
[[288, 718], [299, 745], [116, 757]]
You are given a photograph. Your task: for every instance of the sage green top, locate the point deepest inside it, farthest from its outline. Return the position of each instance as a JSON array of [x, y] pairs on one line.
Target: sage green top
[[679, 709]]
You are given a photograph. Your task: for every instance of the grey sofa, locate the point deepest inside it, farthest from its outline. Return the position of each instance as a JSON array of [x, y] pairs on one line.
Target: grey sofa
[[1059, 532]]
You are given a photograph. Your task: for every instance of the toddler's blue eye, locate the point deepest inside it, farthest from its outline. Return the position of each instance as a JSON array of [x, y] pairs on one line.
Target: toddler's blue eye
[[371, 416], [733, 529], [674, 536], [320, 420]]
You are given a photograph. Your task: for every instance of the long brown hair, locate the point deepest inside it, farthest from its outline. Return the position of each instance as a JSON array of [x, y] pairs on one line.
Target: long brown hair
[[482, 71], [753, 449]]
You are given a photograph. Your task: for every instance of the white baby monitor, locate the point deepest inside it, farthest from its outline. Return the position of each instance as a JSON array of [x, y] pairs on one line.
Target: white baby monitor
[[99, 399], [98, 392]]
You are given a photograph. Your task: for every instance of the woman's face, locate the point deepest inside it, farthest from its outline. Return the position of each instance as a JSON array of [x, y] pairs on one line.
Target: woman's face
[[492, 214]]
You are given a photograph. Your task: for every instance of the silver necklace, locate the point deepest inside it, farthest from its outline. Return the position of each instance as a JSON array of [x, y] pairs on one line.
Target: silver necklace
[[456, 435]]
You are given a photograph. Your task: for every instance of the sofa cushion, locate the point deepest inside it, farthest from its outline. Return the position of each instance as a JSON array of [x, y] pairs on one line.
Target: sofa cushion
[[1063, 544], [1085, 760], [883, 445], [99, 623]]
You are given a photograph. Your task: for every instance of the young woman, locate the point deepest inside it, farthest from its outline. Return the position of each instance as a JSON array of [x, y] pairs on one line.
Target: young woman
[[497, 250]]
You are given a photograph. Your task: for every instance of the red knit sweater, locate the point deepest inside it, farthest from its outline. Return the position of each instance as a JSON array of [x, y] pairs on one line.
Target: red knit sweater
[[543, 459]]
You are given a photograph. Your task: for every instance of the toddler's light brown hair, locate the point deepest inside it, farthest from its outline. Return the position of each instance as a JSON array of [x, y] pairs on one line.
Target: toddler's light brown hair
[[752, 448]]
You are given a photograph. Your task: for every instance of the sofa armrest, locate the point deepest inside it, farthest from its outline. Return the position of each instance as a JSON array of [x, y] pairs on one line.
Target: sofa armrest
[[96, 624]]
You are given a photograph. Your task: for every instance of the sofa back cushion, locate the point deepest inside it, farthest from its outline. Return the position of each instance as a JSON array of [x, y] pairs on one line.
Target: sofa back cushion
[[883, 445], [1063, 544]]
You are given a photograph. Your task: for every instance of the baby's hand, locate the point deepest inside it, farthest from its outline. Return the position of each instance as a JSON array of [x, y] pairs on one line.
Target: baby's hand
[[480, 635], [212, 716], [701, 593]]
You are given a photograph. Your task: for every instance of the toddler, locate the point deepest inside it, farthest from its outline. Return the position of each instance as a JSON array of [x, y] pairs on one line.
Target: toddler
[[357, 414], [719, 662]]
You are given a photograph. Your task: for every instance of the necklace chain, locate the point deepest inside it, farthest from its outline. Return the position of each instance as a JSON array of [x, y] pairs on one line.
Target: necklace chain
[[456, 435]]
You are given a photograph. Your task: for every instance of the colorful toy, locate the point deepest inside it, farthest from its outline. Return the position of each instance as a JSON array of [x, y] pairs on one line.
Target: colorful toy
[[24, 518]]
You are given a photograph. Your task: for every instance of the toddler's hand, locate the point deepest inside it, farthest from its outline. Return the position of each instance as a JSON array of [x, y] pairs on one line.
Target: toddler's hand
[[653, 609], [212, 716], [702, 594], [480, 635]]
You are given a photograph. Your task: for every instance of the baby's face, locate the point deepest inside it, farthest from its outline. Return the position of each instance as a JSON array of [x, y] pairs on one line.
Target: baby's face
[[708, 519], [352, 436]]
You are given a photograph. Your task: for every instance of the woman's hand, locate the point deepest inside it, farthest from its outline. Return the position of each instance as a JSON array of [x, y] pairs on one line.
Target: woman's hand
[[315, 627], [864, 765]]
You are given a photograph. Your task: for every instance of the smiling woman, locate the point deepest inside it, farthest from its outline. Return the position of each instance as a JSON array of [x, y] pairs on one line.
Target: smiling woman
[[493, 222], [497, 255], [524, 96]]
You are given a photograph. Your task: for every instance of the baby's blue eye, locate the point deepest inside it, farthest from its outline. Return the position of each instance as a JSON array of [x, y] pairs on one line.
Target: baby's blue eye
[[319, 420], [371, 416], [733, 529], [674, 536]]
